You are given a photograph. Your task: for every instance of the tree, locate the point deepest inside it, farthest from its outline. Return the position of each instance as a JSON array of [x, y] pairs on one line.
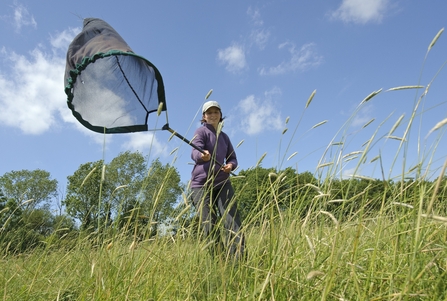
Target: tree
[[161, 190], [124, 194], [24, 215], [262, 186], [29, 188], [125, 174], [251, 190], [84, 193]]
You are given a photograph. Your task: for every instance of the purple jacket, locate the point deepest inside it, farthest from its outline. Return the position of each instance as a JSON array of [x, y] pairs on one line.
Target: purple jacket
[[221, 151]]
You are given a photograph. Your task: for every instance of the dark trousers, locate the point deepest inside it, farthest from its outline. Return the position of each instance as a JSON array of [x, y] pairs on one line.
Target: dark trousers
[[213, 204]]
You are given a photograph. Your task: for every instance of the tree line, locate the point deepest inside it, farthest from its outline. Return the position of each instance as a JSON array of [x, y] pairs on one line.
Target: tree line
[[134, 197], [128, 195]]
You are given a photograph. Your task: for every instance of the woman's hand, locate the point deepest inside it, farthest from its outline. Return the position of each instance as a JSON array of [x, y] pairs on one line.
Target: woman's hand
[[206, 156], [227, 168]]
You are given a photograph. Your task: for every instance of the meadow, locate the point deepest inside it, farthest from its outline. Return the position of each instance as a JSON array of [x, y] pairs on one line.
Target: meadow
[[397, 252]]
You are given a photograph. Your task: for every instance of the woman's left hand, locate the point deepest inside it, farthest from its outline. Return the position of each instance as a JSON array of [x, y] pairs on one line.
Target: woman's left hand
[[227, 168]]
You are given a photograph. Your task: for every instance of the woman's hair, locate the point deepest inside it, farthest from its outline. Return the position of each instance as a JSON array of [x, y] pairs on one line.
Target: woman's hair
[[204, 121]]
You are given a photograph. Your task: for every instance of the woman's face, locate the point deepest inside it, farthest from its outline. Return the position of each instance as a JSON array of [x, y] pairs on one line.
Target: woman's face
[[212, 116]]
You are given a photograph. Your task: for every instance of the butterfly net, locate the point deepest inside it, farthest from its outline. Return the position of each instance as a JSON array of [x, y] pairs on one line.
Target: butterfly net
[[109, 88]]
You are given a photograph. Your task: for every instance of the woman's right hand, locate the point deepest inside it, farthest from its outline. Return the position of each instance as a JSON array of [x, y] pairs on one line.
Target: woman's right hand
[[206, 156]]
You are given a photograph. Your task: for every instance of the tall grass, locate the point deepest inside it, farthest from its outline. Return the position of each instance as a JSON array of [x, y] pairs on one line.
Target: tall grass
[[302, 253]]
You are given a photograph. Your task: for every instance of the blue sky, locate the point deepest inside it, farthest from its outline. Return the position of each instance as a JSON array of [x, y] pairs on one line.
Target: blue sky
[[262, 59]]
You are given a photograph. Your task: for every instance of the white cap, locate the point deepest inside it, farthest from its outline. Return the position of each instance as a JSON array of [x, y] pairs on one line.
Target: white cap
[[209, 104]]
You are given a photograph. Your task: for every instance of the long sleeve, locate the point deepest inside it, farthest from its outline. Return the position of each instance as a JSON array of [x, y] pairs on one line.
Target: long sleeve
[[222, 152]]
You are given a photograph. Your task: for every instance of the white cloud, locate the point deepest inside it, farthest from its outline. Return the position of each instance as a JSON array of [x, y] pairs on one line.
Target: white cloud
[[22, 17], [61, 40], [361, 11], [145, 142], [233, 57], [300, 59], [260, 115], [260, 37], [31, 91], [255, 16]]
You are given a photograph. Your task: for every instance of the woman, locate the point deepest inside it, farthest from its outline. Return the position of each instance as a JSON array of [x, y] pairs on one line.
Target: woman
[[212, 192]]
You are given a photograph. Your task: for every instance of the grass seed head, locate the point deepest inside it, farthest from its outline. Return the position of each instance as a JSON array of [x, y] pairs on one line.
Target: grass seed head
[[395, 138], [310, 98], [160, 108], [219, 127], [368, 123], [88, 176], [291, 156], [325, 164], [170, 137], [438, 126], [331, 216], [313, 274], [368, 98], [374, 159], [320, 123], [103, 173], [404, 88], [209, 94], [435, 39], [109, 246], [396, 124], [240, 143], [272, 176], [260, 159]]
